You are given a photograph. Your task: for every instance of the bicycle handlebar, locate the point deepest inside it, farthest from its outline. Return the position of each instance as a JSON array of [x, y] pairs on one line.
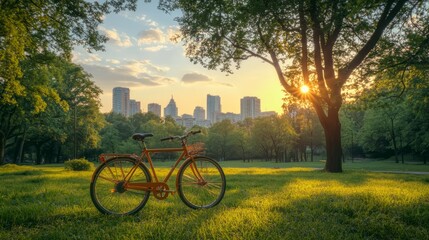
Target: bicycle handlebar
[[181, 137]]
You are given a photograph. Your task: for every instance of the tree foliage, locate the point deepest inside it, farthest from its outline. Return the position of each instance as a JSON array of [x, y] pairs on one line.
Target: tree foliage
[[317, 43], [32, 33]]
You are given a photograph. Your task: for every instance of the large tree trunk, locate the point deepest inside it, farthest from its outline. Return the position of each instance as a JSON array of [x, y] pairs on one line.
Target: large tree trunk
[[21, 147], [2, 149], [332, 129], [39, 154]]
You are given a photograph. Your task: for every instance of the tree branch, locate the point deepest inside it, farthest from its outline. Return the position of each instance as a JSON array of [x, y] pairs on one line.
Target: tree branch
[[385, 19], [252, 53], [317, 53], [304, 45]]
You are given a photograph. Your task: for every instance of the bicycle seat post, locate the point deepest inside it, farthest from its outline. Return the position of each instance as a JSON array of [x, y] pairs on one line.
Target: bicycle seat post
[[143, 145]]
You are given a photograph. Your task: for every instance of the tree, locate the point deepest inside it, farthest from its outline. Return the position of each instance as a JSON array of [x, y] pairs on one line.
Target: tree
[[351, 123], [39, 96], [33, 28], [272, 136], [399, 98], [326, 41], [244, 138], [221, 142]]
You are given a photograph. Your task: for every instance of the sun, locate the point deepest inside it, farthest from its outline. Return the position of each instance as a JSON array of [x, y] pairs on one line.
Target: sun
[[305, 89]]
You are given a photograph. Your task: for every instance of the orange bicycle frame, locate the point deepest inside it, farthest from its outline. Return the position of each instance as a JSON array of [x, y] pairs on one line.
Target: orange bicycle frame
[[146, 153]]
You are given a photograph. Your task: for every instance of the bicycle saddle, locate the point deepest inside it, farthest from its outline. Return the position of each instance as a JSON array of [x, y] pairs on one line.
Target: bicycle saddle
[[141, 136]]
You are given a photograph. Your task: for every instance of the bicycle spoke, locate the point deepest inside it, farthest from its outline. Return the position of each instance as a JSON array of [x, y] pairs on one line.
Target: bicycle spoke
[[108, 190], [108, 179], [205, 192]]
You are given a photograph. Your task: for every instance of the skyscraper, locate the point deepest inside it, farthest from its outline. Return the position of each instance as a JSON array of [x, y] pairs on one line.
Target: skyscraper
[[154, 108], [134, 107], [171, 109], [121, 100], [213, 107], [250, 107], [199, 113]]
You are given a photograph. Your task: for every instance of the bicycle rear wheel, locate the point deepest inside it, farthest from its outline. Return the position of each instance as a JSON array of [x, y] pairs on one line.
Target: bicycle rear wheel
[[108, 191], [201, 183]]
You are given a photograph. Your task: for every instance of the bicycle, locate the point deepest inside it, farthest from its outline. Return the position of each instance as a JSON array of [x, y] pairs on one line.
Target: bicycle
[[122, 184]]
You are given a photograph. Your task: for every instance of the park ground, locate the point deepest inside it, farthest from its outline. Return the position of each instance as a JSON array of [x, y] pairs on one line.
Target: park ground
[[264, 200]]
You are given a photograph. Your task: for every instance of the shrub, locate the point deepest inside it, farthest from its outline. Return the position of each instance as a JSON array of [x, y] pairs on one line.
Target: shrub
[[78, 165]]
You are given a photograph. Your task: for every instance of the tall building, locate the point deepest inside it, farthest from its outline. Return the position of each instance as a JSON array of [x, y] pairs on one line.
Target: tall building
[[250, 107], [213, 107], [121, 100], [154, 108], [199, 113], [171, 109], [135, 107]]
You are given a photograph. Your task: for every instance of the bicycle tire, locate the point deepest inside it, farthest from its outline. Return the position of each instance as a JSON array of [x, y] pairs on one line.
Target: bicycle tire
[[196, 194], [107, 193]]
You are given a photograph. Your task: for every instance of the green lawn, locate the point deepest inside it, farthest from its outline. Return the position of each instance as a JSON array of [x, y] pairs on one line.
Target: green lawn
[[364, 165], [263, 201]]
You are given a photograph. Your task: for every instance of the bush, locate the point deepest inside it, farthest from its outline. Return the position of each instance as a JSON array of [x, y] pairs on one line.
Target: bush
[[78, 165]]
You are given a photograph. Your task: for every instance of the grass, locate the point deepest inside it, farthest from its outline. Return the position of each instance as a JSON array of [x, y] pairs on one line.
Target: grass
[[281, 202]]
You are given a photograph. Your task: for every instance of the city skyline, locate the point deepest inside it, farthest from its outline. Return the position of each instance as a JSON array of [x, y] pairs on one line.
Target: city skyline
[[250, 107]]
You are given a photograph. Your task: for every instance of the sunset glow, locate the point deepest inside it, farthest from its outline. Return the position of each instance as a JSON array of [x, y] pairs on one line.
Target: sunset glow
[[304, 89]]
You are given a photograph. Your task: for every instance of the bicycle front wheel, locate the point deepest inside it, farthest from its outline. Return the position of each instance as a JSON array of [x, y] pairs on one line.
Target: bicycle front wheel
[[201, 183], [108, 187]]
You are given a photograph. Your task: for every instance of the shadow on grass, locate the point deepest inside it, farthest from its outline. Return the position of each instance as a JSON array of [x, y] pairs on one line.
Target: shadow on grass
[[259, 203]]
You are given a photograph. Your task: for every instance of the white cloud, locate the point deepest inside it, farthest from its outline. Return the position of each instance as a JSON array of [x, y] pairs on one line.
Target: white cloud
[[86, 58], [173, 33], [150, 36], [147, 21], [137, 67], [121, 40], [141, 19], [154, 48], [113, 61]]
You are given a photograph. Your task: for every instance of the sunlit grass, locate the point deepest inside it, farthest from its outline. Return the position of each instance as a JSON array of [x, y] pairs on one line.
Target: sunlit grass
[[260, 203]]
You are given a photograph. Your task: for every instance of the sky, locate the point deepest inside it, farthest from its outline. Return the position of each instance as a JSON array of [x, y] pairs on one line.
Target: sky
[[140, 56]]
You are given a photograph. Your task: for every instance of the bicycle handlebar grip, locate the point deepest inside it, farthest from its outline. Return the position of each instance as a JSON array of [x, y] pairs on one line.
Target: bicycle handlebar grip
[[167, 138]]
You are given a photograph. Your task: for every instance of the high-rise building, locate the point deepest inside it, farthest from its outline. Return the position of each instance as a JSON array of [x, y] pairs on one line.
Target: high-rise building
[[121, 100], [213, 107], [199, 113], [250, 107], [135, 107], [171, 109], [154, 108]]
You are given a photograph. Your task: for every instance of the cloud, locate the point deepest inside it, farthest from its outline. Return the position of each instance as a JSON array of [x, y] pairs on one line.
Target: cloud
[[150, 36], [225, 84], [113, 61], [137, 67], [141, 19], [173, 33], [147, 21], [195, 77], [121, 40], [154, 48], [191, 78], [132, 74], [86, 58]]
